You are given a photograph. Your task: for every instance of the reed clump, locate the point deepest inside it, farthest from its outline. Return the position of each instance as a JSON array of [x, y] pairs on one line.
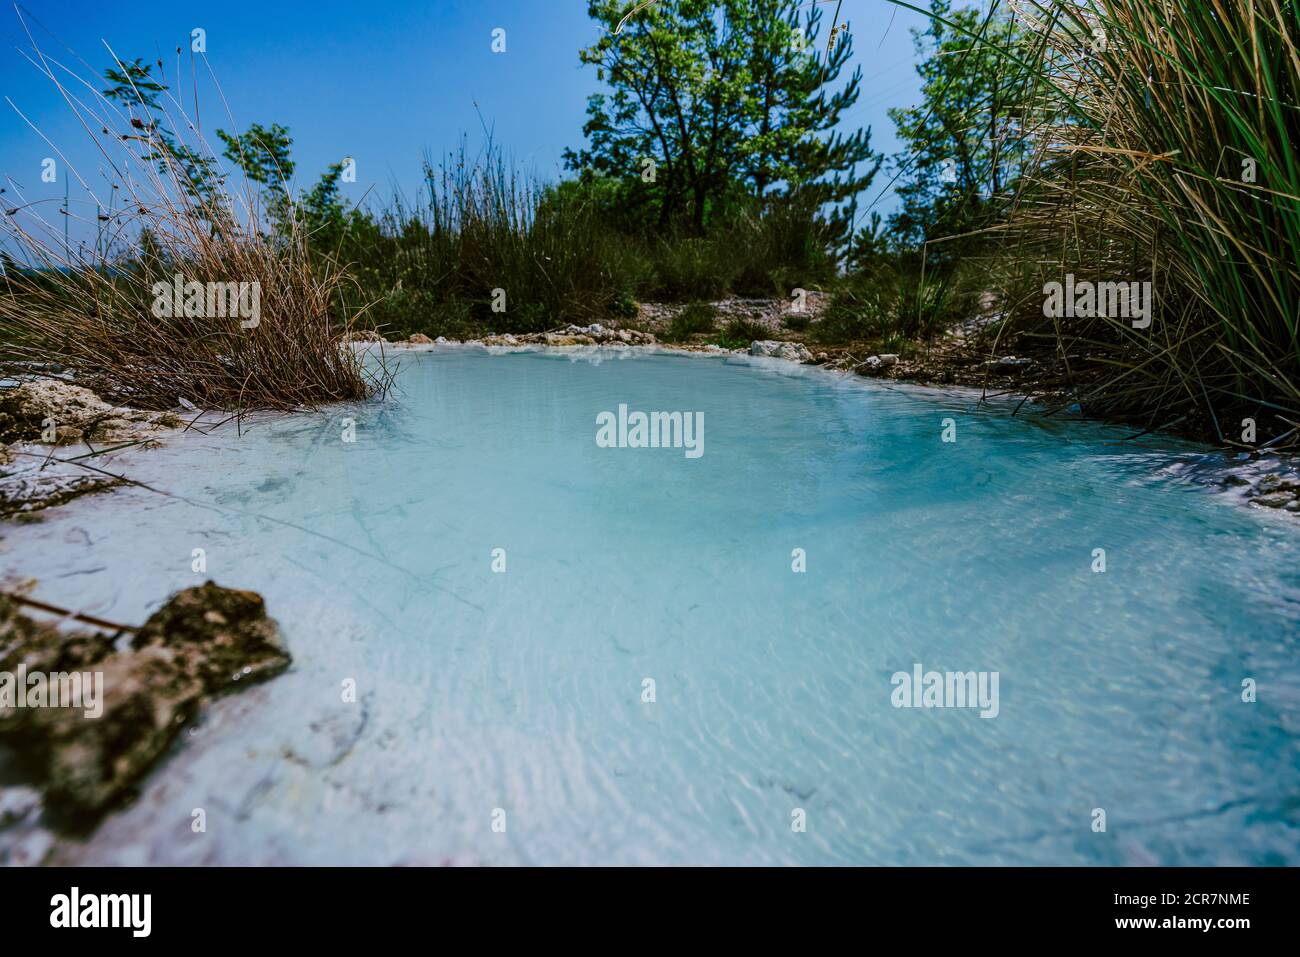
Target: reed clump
[[187, 293], [1166, 149]]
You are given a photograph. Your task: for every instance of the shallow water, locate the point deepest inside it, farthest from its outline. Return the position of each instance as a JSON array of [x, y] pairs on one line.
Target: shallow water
[[523, 690]]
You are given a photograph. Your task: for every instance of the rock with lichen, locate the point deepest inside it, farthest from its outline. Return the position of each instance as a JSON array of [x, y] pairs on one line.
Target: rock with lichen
[[202, 642], [41, 647], [90, 762], [222, 634]]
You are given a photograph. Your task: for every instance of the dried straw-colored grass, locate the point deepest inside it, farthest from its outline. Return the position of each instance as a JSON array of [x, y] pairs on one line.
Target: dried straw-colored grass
[[93, 310]]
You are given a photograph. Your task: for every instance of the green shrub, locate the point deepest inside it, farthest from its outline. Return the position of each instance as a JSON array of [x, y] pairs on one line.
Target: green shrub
[[783, 247], [698, 318], [695, 268], [890, 302], [739, 333], [624, 306]]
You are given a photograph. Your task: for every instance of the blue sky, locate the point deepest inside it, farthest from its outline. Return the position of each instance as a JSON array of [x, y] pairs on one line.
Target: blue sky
[[385, 82]]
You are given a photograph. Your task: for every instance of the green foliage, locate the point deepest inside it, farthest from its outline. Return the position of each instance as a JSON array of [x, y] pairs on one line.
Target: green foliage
[[711, 102], [686, 268], [963, 143], [697, 319], [739, 333], [482, 226], [891, 303], [871, 244], [782, 247], [324, 212], [133, 84], [796, 322], [558, 252], [1173, 157], [624, 307], [263, 154]]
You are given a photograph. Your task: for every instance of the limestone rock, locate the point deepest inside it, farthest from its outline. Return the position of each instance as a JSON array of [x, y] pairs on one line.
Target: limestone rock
[[793, 351], [222, 635], [30, 410], [202, 642], [879, 363], [90, 762], [361, 335], [1008, 365]]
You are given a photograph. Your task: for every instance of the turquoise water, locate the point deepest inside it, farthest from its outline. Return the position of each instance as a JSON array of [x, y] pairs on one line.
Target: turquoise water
[[522, 691]]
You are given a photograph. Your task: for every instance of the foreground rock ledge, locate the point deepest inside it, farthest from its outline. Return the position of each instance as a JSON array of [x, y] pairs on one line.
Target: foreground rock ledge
[[55, 413], [32, 410], [202, 642]]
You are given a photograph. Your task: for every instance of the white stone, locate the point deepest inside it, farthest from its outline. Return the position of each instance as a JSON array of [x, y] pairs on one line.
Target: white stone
[[793, 351]]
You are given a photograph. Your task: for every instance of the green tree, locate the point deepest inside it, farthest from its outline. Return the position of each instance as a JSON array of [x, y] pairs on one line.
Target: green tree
[[327, 215], [963, 145], [264, 154], [133, 85], [715, 102]]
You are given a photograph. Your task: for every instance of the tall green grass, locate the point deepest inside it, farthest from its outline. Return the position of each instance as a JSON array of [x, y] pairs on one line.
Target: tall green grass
[[1149, 121], [559, 253]]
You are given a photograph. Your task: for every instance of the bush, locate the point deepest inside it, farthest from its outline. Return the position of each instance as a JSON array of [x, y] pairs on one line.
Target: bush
[[483, 227], [891, 302], [783, 247], [694, 268], [624, 306], [698, 318], [739, 333]]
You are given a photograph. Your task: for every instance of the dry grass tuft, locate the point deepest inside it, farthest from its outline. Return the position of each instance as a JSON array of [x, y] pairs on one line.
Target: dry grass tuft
[[160, 211]]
